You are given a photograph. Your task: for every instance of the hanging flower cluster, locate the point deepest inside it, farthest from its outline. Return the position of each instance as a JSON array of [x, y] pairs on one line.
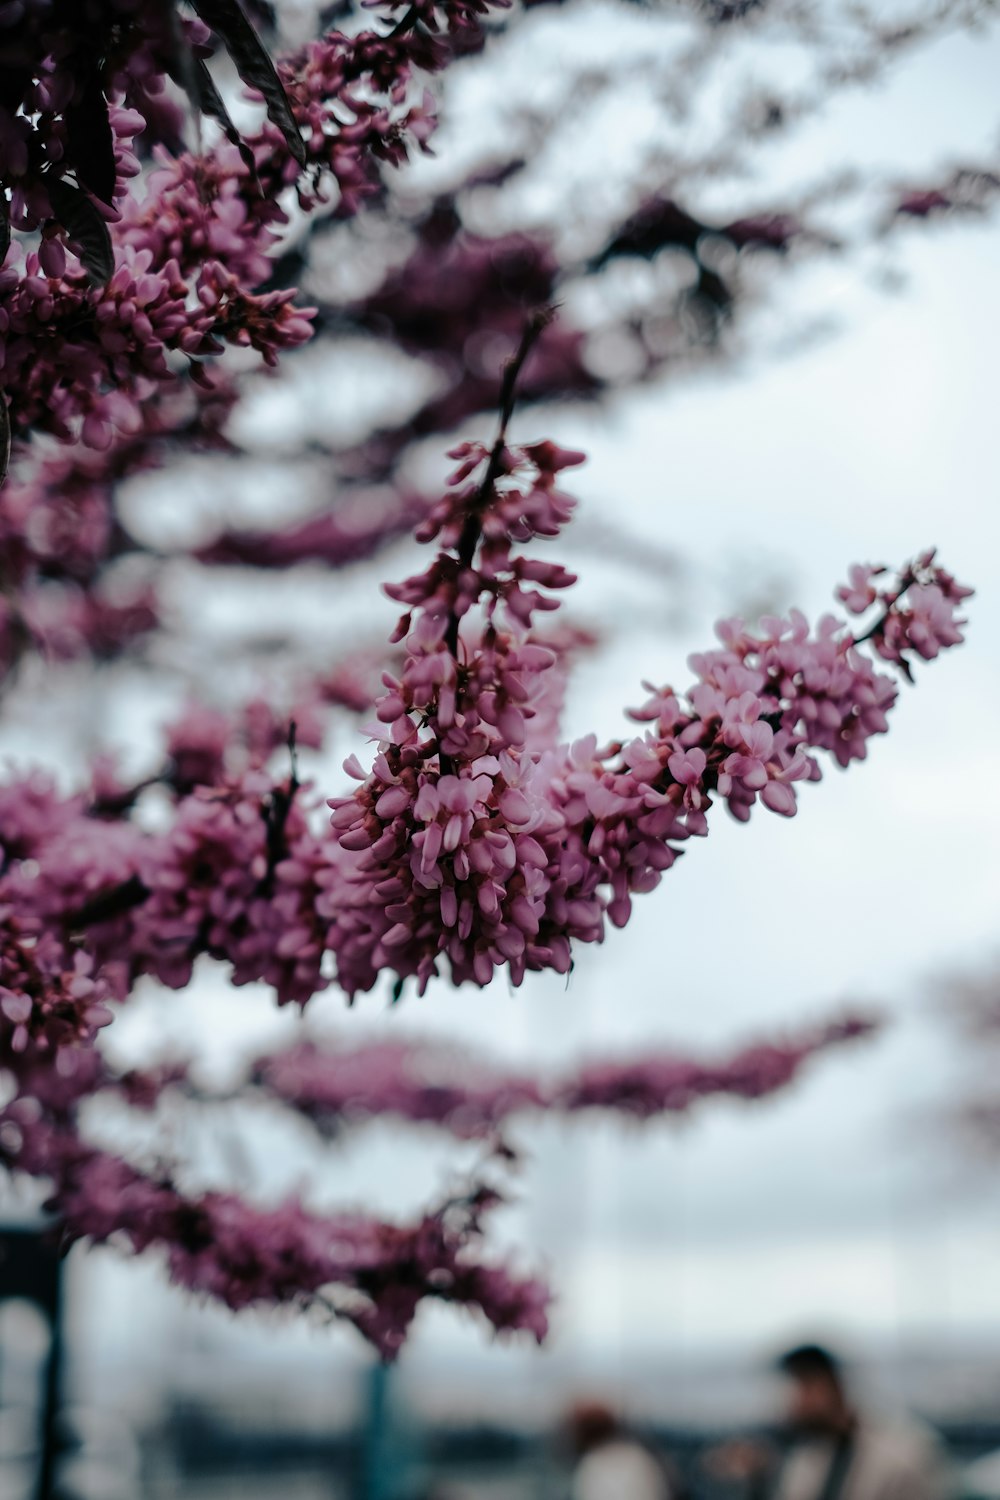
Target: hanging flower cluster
[[471, 847]]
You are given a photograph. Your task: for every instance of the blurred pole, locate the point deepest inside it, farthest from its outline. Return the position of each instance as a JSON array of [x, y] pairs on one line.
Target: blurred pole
[[51, 1393], [377, 1477], [31, 1268]]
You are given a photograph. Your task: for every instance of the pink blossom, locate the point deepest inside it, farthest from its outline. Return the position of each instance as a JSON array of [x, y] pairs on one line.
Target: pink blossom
[[859, 592]]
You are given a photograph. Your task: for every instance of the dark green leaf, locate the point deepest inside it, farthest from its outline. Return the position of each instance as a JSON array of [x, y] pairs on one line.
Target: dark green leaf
[[90, 146], [229, 21], [206, 97], [262, 13], [82, 221], [192, 75]]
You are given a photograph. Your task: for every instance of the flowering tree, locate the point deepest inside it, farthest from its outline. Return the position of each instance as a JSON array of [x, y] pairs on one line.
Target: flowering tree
[[141, 279]]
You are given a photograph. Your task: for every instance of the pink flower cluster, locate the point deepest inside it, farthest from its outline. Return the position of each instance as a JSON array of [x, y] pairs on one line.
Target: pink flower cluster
[[238, 875], [52, 91], [337, 1086], [365, 79], [362, 522], [33, 812], [61, 538], [217, 883], [468, 846], [669, 1084], [477, 842], [370, 1273], [359, 101], [49, 1000], [57, 521], [79, 362], [205, 743], [210, 747], [203, 208], [443, 833], [922, 624], [64, 621]]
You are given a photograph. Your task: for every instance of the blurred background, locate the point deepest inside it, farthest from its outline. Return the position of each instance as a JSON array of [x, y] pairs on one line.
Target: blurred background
[[825, 400]]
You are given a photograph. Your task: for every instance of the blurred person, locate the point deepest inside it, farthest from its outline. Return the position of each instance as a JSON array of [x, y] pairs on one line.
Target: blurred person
[[613, 1463], [834, 1450]]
